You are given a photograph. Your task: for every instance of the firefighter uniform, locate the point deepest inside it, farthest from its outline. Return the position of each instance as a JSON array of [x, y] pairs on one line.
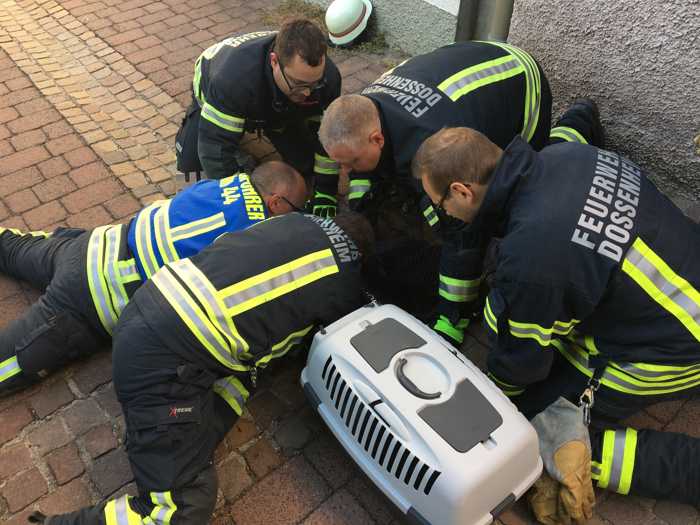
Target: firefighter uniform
[[495, 88], [190, 343], [233, 92], [89, 276], [596, 280]]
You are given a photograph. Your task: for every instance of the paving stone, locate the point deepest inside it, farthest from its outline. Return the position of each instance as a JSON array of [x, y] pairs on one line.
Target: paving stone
[[90, 218], [53, 167], [95, 371], [123, 205], [82, 415], [65, 463], [675, 513], [687, 421], [243, 431], [24, 489], [517, 514], [292, 434], [50, 435], [624, 509], [54, 188], [108, 401], [111, 471], [52, 395], [19, 180], [44, 215], [89, 173], [642, 420], [666, 411], [12, 307], [91, 195], [28, 139], [340, 509], [14, 419], [13, 459], [67, 498], [284, 497], [329, 458], [64, 144], [22, 201], [233, 477], [79, 157], [100, 440], [263, 458], [265, 408], [378, 506]]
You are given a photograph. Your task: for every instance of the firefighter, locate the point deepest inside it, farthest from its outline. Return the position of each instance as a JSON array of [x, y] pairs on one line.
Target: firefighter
[[192, 340], [89, 276], [595, 297], [276, 83], [493, 87]]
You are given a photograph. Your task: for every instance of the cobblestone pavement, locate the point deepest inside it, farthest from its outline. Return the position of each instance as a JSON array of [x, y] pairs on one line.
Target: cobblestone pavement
[[91, 95]]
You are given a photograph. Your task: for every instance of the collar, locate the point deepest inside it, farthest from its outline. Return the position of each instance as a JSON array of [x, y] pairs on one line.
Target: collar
[[517, 162]]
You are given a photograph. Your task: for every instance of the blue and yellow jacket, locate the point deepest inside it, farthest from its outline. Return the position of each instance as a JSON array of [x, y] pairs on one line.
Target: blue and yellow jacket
[[121, 257]]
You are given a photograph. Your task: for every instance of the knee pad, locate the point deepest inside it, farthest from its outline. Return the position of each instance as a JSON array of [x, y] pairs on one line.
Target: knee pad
[[63, 338]]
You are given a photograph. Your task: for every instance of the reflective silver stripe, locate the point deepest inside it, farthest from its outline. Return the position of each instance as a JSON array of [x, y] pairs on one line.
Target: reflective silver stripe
[[191, 276], [229, 123], [617, 460], [569, 137], [235, 393], [460, 83], [129, 269], [161, 514], [359, 186], [468, 290], [144, 240], [636, 371], [8, 368], [670, 290], [280, 280], [173, 292], [119, 296], [198, 227], [98, 286], [543, 337], [325, 163], [121, 510], [595, 470], [163, 240]]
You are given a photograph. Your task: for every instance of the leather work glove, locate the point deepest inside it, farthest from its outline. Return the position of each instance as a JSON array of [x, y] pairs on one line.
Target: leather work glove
[[565, 447], [324, 205], [452, 333]]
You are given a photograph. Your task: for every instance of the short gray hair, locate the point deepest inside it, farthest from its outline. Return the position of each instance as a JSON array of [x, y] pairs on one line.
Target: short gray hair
[[275, 176], [346, 120]]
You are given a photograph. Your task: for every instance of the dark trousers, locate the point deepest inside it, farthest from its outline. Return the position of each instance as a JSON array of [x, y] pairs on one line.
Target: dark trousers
[[174, 422], [55, 329], [665, 465]]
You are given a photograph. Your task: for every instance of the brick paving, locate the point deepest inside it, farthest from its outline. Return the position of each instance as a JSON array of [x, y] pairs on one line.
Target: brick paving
[[91, 95]]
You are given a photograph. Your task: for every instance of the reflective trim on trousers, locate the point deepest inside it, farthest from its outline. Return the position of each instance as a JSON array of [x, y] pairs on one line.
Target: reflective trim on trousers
[[9, 368], [616, 468], [567, 134], [233, 392]]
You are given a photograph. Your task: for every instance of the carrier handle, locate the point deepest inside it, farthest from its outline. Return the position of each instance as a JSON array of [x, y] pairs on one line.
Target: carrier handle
[[410, 385]]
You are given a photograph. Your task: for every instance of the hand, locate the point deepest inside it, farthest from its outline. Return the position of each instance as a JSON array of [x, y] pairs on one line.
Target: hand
[[452, 333], [324, 205]]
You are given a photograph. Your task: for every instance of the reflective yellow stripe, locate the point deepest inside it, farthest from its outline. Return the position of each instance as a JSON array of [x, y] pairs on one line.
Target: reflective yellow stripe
[[118, 512], [539, 333], [617, 463], [112, 271], [325, 165], [144, 235], [281, 348], [474, 77], [196, 319], [508, 389], [459, 290], [230, 123], [198, 227], [164, 241], [233, 392], [164, 507], [37, 233], [430, 215], [673, 293], [99, 292], [278, 281], [533, 89], [491, 319], [358, 187], [619, 376], [596, 469], [568, 134], [9, 368]]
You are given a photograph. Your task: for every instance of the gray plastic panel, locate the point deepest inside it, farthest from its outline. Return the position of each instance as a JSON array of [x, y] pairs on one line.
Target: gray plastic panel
[[465, 419], [381, 341]]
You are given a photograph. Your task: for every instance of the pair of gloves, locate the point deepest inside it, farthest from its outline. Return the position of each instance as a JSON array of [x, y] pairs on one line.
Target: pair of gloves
[[564, 493]]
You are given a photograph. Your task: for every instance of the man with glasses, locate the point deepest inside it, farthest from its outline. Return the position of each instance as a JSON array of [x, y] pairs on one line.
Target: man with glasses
[[88, 277], [276, 83], [595, 297]]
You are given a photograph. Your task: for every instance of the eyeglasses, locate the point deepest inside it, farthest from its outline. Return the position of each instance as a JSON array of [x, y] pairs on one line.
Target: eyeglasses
[[292, 206], [297, 87], [439, 206]]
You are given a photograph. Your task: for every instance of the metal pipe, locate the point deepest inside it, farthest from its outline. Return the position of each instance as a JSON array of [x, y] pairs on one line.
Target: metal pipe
[[483, 20]]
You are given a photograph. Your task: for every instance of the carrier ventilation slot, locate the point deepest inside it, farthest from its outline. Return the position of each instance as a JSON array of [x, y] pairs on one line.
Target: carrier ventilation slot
[[374, 435]]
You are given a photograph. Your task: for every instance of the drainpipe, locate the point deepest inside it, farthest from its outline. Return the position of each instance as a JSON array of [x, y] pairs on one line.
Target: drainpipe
[[484, 20]]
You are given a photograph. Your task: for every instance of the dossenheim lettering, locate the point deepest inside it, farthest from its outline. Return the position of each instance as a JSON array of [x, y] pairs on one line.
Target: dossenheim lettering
[[607, 219]]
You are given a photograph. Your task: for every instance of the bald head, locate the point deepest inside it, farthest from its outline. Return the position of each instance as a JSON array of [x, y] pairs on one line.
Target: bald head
[[281, 186], [348, 121]]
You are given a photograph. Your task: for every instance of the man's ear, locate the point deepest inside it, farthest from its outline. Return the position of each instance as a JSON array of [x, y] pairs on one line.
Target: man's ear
[[377, 138], [463, 190], [274, 60]]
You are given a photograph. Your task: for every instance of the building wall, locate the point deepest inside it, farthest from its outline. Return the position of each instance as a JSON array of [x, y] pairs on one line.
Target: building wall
[[639, 59]]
